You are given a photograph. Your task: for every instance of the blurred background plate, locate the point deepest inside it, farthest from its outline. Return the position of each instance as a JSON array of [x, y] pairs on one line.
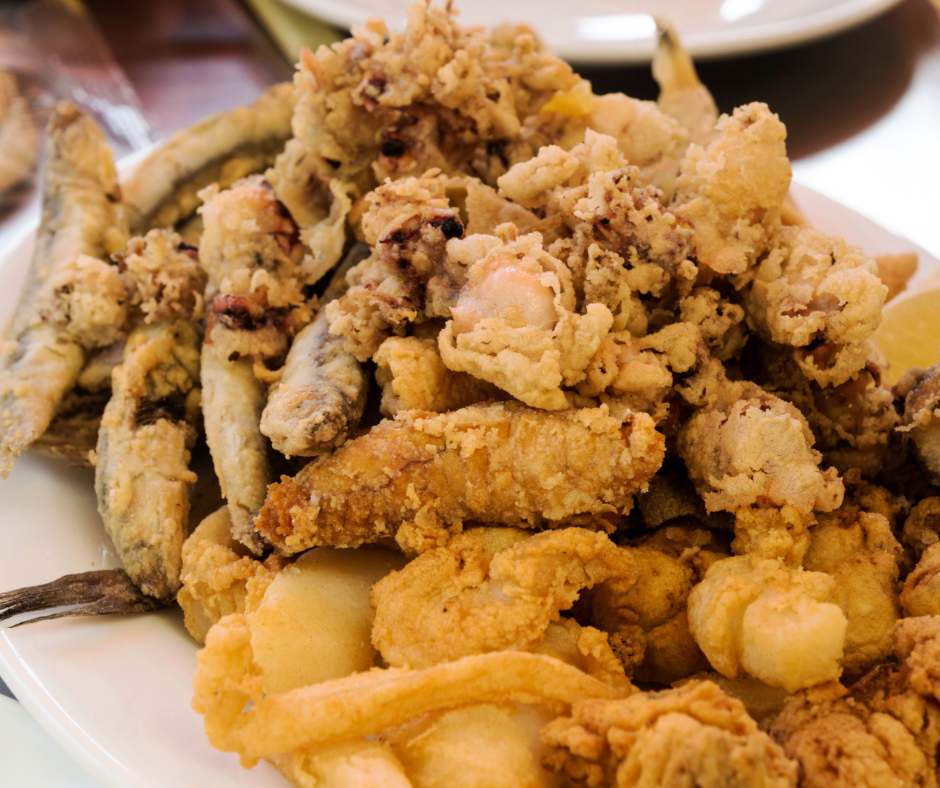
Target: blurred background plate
[[621, 31]]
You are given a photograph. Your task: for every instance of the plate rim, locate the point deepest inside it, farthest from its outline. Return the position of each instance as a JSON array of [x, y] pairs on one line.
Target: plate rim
[[703, 45]]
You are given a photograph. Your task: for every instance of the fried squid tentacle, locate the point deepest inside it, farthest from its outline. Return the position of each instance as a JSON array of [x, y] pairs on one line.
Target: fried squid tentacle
[[321, 394], [54, 324], [142, 476], [504, 463], [221, 149]]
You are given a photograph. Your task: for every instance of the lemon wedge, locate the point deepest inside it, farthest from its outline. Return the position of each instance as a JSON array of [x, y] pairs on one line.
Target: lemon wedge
[[909, 333]]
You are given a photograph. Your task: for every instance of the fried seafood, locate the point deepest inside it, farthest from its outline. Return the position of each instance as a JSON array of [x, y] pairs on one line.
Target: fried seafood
[[142, 476], [413, 377], [779, 624], [645, 614], [820, 296], [82, 221], [735, 210], [416, 476], [227, 678], [922, 527], [163, 275], [895, 271], [489, 589], [515, 324], [750, 447], [920, 389], [233, 400], [858, 549], [884, 731], [920, 595], [219, 575], [693, 735], [361, 763], [163, 189], [319, 397]]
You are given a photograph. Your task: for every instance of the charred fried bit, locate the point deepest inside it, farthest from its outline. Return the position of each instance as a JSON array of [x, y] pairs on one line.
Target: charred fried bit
[[921, 391], [645, 615], [232, 403], [489, 589], [227, 679], [734, 210], [858, 549], [87, 594], [818, 295], [71, 301], [693, 735], [418, 475], [163, 189], [142, 476], [752, 447], [321, 393], [413, 377]]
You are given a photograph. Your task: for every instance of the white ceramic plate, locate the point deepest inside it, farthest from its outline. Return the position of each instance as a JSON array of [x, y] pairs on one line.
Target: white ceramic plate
[[621, 31], [115, 692]]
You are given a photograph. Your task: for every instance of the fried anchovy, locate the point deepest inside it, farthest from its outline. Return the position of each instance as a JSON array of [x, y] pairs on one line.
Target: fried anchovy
[[95, 594], [142, 476], [321, 395], [224, 147], [232, 401], [49, 336]]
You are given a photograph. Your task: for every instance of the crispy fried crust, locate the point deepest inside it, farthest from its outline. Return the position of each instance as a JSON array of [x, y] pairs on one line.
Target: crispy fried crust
[[422, 471]]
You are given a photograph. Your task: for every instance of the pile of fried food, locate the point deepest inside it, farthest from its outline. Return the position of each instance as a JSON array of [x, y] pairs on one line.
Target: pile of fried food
[[628, 506]]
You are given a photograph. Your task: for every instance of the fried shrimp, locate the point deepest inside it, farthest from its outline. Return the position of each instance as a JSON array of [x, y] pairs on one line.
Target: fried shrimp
[[489, 589], [416, 476], [142, 475], [82, 222]]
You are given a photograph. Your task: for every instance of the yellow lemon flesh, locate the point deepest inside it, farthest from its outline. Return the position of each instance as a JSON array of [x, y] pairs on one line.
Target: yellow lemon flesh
[[909, 334]]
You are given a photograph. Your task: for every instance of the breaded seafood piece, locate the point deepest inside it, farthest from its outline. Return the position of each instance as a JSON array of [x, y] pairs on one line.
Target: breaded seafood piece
[[772, 532], [163, 275], [413, 377], [489, 589], [681, 94], [240, 717], [735, 209], [751, 447], [142, 476], [922, 527], [515, 324], [233, 400], [319, 397], [82, 222], [693, 735], [895, 271], [719, 319], [382, 105], [219, 575], [409, 277], [821, 296], [859, 550], [852, 422], [586, 648], [364, 762], [418, 475], [163, 189], [920, 389], [884, 731], [643, 371], [920, 595], [779, 624], [646, 615]]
